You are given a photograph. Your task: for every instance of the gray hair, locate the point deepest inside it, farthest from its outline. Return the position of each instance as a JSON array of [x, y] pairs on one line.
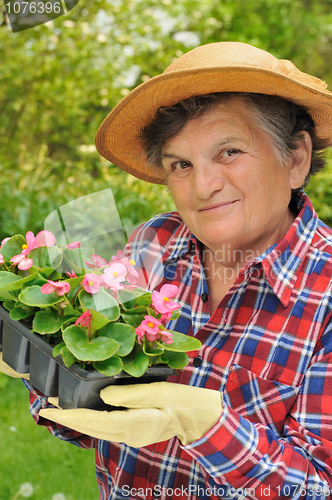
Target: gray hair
[[283, 120]]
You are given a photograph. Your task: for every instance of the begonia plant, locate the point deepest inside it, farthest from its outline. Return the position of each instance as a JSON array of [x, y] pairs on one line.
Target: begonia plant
[[89, 309]]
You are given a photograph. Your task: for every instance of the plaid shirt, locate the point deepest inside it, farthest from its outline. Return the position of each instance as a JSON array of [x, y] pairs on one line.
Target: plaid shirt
[[267, 348]]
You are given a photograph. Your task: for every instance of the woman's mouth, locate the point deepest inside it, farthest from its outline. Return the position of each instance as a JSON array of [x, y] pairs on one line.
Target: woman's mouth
[[217, 206]]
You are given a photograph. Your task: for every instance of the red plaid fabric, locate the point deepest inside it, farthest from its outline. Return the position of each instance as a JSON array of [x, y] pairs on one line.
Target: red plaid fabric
[[267, 348]]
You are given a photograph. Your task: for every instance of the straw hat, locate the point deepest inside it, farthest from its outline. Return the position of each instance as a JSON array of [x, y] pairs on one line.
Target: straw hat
[[216, 67]]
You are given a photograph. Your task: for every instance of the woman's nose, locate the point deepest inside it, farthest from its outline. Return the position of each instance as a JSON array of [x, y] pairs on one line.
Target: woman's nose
[[207, 179]]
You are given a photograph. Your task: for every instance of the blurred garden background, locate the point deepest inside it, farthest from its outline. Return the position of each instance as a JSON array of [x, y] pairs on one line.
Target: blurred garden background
[[58, 82]]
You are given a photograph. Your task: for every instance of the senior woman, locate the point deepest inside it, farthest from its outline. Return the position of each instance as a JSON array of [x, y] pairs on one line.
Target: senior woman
[[235, 134]]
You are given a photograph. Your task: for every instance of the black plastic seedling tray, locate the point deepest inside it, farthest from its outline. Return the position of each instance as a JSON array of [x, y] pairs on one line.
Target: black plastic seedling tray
[[28, 352]]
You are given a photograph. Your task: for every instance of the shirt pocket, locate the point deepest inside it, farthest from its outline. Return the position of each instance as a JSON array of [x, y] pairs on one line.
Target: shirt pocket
[[259, 400]]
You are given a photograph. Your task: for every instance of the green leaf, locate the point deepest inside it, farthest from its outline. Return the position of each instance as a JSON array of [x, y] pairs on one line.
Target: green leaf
[[10, 281], [109, 367], [181, 343], [144, 300], [175, 314], [98, 321], [68, 358], [151, 351], [48, 273], [70, 311], [74, 282], [12, 247], [46, 257], [32, 296], [5, 296], [125, 336], [39, 281], [97, 349], [18, 313], [9, 304], [133, 319], [101, 302], [57, 349], [175, 360], [127, 299], [136, 364], [49, 322]]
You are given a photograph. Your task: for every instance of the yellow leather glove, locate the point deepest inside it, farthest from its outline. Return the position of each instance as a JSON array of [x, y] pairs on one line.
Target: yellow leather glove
[[4, 368], [157, 412]]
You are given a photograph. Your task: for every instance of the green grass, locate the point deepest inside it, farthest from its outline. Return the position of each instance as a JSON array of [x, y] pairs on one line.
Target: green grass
[[30, 454]]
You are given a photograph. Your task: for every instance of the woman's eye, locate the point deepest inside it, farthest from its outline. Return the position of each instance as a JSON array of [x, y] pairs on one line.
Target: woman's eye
[[180, 165], [230, 152]]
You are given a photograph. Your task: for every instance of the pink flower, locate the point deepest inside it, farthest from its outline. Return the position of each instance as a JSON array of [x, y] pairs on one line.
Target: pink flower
[[43, 239], [151, 326], [60, 287], [91, 283], [4, 241], [85, 319], [121, 258], [150, 329], [2, 260], [74, 244], [22, 260], [166, 337], [162, 300], [98, 262], [114, 275], [71, 274], [140, 332]]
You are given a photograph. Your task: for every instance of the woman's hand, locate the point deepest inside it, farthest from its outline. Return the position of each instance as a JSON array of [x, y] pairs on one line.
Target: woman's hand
[[156, 412]]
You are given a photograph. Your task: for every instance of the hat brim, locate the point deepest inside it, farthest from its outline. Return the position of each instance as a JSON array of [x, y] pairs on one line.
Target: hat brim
[[118, 137]]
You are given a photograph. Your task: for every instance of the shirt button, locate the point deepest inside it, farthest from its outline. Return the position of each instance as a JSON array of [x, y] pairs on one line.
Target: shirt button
[[204, 297], [197, 362]]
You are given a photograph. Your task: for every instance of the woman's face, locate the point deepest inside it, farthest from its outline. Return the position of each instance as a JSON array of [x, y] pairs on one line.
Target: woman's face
[[226, 181]]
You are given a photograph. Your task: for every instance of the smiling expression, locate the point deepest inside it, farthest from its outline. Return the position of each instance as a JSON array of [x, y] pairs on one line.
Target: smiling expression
[[226, 181]]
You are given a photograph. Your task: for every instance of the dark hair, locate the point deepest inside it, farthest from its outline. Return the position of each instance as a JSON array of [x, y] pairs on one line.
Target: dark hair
[[283, 120]]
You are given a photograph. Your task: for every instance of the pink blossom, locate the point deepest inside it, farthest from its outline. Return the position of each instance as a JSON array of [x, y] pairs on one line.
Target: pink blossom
[[85, 319], [60, 287], [151, 326], [129, 263], [140, 332], [91, 282], [74, 244], [4, 241], [98, 262], [43, 239], [71, 274], [162, 299], [114, 275], [166, 337], [22, 260], [2, 260]]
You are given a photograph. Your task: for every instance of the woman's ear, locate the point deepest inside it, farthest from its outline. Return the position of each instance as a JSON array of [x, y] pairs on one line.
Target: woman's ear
[[300, 161]]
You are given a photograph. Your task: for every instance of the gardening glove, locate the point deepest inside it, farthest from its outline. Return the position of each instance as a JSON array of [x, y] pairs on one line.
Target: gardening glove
[[4, 368], [156, 412]]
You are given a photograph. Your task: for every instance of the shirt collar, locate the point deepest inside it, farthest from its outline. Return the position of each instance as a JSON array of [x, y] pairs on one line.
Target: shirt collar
[[281, 262]]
